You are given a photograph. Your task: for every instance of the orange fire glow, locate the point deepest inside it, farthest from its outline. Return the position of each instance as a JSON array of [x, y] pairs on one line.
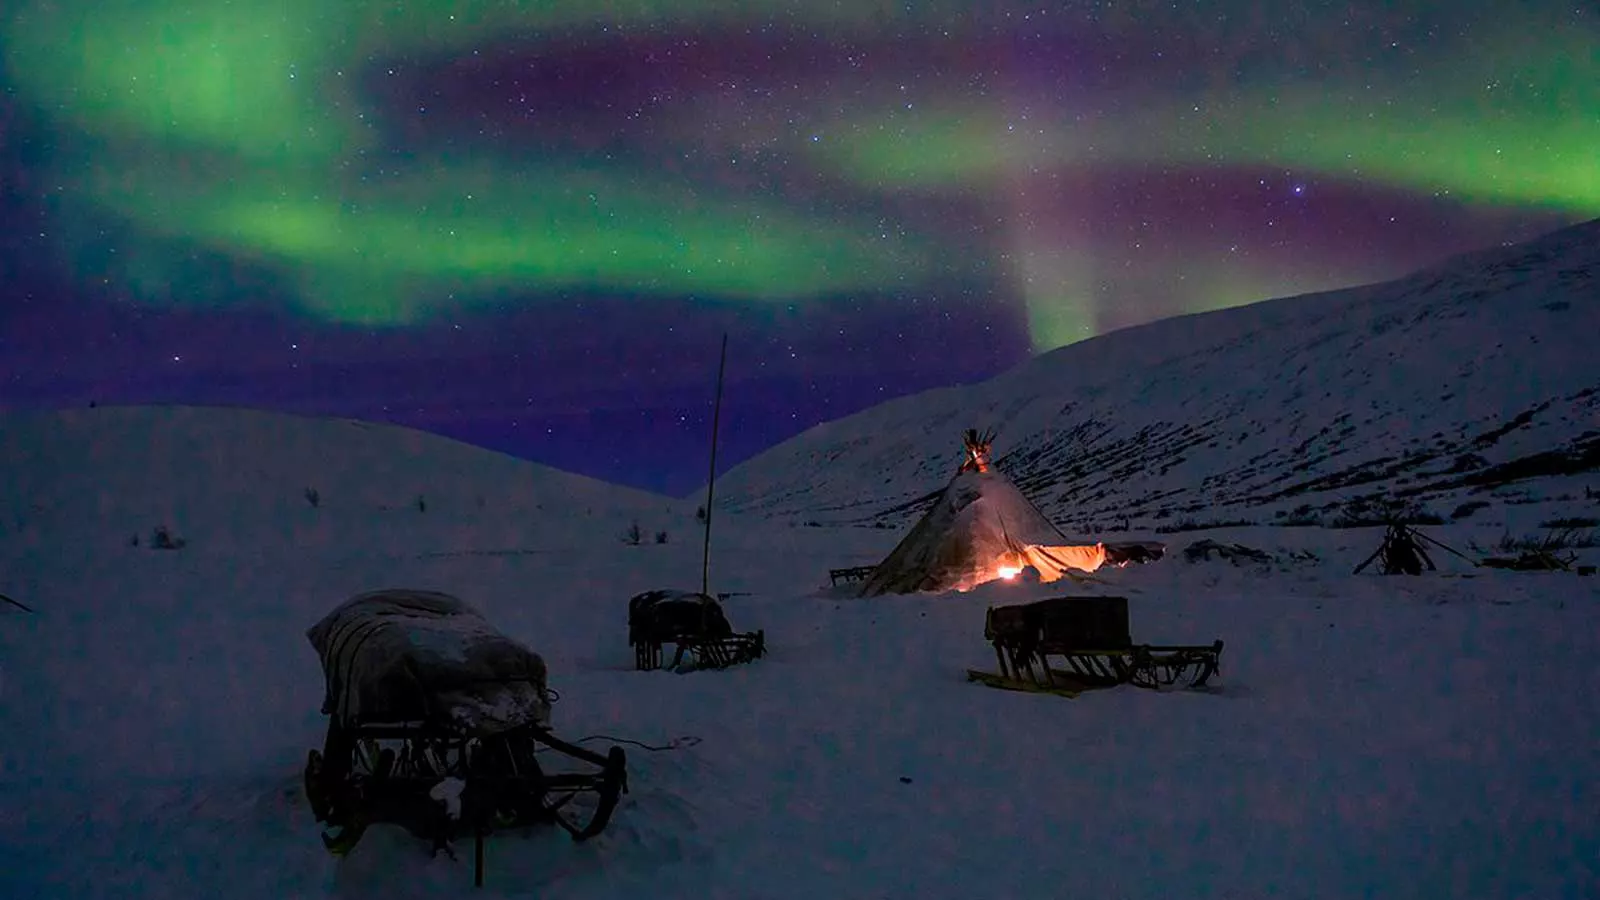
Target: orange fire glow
[[1008, 572]]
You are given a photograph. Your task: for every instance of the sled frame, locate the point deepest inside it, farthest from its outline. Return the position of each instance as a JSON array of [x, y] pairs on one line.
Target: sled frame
[[1065, 645], [850, 574], [709, 653], [383, 774]]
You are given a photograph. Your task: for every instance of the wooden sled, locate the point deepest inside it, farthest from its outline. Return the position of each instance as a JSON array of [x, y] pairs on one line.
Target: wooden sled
[[439, 723], [849, 574], [443, 785], [695, 624], [1066, 645]]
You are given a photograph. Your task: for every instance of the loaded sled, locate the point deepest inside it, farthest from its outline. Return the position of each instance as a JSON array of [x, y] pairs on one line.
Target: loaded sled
[[440, 724], [695, 624], [1065, 645]]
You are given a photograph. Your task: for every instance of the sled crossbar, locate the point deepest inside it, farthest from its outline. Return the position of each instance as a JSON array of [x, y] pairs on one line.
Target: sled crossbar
[[852, 573], [1067, 644], [709, 652]]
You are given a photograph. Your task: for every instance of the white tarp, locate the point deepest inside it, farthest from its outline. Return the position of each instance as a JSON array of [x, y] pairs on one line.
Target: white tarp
[[397, 656]]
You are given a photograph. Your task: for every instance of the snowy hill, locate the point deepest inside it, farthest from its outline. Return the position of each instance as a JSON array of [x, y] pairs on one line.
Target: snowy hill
[[230, 478], [1468, 385]]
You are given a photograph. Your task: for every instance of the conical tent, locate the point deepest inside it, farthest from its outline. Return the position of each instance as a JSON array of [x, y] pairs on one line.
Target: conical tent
[[981, 528]]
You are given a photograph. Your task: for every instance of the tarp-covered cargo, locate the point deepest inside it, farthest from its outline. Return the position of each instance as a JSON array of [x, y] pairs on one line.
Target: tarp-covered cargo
[[407, 656]]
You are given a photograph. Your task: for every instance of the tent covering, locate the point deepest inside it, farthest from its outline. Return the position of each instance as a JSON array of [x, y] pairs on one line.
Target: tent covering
[[981, 528], [404, 656]]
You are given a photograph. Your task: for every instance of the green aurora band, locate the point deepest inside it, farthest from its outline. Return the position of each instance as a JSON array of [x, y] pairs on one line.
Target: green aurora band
[[1514, 123], [380, 250], [237, 127]]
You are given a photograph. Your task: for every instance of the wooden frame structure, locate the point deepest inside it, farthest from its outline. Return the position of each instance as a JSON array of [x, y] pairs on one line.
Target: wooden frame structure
[[443, 743], [850, 574], [1065, 645], [441, 784], [694, 624], [1402, 552]]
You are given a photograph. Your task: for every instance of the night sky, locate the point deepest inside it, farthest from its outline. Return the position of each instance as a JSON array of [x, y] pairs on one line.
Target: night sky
[[527, 225]]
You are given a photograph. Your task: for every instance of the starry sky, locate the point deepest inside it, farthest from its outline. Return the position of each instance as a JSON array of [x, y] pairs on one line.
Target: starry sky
[[528, 225]]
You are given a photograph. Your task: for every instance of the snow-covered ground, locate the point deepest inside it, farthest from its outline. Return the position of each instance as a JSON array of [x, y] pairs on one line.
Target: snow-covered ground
[[1370, 736]]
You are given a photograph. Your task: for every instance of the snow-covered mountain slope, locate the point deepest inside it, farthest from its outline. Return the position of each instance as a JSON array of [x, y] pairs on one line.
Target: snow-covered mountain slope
[[1470, 384], [230, 477]]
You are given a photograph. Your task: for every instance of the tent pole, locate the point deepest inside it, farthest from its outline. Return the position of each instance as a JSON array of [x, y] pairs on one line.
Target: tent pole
[[711, 478]]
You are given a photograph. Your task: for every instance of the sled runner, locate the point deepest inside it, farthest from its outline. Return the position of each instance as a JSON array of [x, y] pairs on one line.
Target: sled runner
[[1065, 645], [849, 574], [435, 720], [693, 622]]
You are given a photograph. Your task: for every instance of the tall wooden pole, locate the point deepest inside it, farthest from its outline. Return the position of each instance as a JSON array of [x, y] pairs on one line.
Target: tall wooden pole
[[711, 478]]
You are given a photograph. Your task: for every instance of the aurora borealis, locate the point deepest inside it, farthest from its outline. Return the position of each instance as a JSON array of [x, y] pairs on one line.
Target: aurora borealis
[[526, 224]]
